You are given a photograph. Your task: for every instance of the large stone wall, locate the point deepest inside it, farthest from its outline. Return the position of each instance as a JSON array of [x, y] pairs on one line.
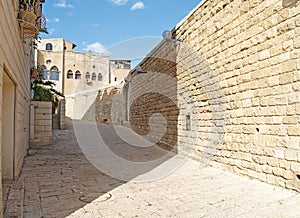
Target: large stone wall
[[153, 97], [16, 58], [238, 88]]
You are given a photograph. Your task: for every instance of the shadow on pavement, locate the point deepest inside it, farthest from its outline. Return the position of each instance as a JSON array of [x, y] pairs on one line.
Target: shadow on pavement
[[58, 179]]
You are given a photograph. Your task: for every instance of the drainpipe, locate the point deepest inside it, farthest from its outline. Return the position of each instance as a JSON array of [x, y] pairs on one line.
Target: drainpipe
[[63, 70], [109, 72]]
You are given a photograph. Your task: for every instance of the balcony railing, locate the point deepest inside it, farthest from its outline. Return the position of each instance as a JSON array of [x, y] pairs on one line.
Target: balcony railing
[[30, 17]]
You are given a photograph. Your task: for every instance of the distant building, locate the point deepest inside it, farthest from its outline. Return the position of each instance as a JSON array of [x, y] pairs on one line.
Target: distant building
[[77, 72], [119, 69]]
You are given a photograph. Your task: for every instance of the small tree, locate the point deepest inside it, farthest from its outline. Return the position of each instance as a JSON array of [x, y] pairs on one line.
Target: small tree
[[44, 90]]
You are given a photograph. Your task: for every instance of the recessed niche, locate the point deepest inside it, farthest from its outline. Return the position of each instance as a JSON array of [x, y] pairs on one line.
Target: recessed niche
[[188, 122]]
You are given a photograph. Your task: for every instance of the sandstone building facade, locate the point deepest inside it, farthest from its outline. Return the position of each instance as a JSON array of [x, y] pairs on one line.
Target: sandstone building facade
[[78, 75]]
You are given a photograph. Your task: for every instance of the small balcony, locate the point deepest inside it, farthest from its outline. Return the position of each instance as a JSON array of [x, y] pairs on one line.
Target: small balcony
[[31, 18]]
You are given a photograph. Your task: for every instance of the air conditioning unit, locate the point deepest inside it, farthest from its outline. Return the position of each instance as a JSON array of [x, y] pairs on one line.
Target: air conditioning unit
[[88, 80]]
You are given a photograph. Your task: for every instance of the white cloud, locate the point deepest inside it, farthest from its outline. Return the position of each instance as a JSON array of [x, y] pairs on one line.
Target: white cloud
[[63, 4], [119, 2], [96, 47], [51, 31], [54, 20], [137, 6]]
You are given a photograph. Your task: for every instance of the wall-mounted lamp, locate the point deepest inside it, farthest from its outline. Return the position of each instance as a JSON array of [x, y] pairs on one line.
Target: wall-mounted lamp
[[167, 35], [139, 70], [127, 80]]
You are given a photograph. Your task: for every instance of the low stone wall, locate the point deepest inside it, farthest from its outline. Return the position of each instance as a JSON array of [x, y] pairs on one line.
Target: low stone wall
[[40, 123]]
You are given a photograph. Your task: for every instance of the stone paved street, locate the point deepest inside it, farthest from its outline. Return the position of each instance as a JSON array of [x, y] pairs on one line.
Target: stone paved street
[[59, 181]]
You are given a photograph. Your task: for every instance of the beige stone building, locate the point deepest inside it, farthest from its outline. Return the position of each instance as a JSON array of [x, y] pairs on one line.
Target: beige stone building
[[71, 71], [19, 24], [78, 75]]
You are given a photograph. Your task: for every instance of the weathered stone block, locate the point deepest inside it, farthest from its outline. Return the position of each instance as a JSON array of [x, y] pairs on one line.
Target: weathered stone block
[[290, 155]]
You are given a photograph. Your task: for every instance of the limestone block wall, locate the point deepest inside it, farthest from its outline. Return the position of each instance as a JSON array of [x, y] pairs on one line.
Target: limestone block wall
[[16, 58], [107, 107], [42, 123], [238, 88], [251, 48], [153, 97], [103, 105], [78, 105]]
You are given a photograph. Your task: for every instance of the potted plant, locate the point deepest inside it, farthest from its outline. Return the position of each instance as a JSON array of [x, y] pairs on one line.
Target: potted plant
[[34, 72], [44, 91], [27, 11]]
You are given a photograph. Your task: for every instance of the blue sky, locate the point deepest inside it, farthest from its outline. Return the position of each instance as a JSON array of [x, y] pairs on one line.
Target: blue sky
[[100, 26]]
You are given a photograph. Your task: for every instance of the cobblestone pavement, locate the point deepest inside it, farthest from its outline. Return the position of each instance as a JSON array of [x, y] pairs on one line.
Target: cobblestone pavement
[[58, 181]]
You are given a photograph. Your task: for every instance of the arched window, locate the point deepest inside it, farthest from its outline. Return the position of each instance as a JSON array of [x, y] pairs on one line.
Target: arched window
[[87, 75], [94, 76], [44, 71], [49, 47], [70, 74], [77, 75], [100, 77], [54, 73]]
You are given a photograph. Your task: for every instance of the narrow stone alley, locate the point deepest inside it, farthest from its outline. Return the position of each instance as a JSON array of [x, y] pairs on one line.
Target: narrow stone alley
[[59, 181]]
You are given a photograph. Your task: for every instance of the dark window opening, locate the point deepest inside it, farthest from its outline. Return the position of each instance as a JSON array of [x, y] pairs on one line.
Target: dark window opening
[[49, 47], [94, 76], [100, 77], [77, 75], [87, 75], [70, 74]]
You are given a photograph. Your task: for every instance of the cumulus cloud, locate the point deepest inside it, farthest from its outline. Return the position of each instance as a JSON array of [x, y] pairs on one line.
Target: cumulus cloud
[[63, 4], [96, 47], [119, 2], [137, 6]]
